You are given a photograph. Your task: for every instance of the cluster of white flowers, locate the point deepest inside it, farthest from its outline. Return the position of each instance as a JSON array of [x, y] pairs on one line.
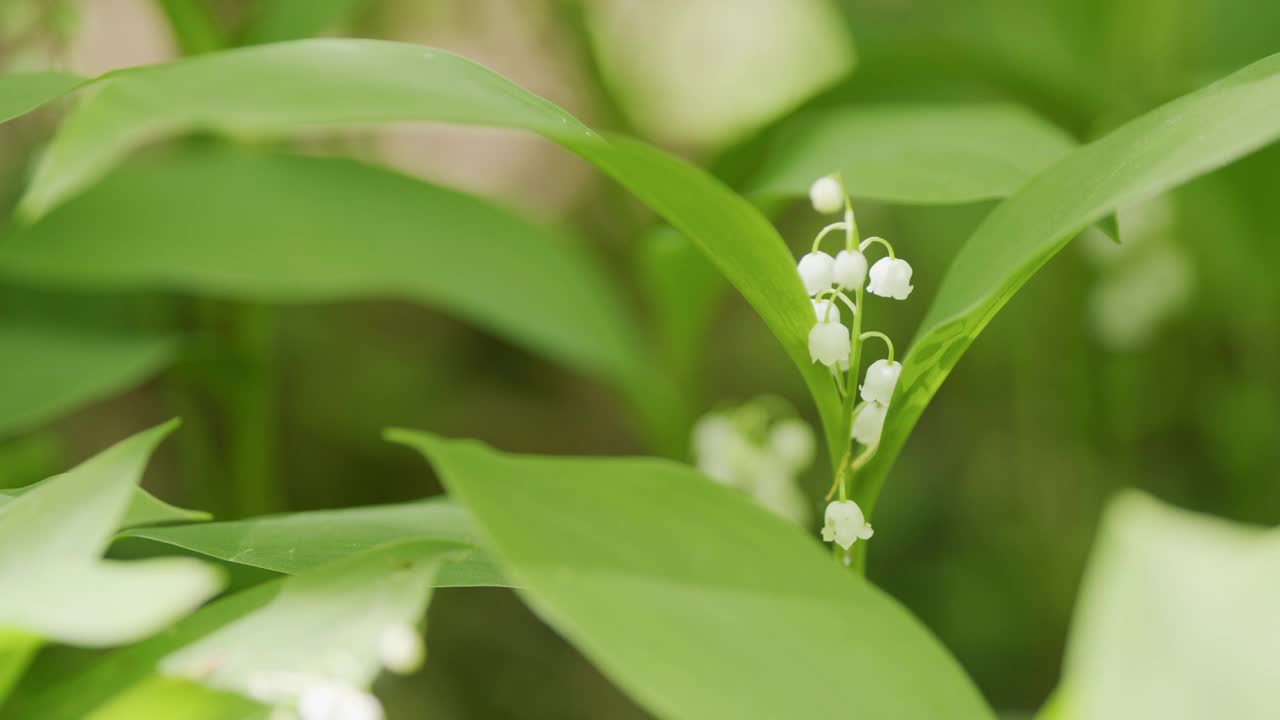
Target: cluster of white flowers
[[749, 450], [333, 696], [828, 280]]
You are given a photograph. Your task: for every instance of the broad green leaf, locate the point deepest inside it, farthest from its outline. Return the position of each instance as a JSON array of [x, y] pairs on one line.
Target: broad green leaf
[[300, 542], [144, 508], [50, 371], [326, 622], [22, 93], [16, 650], [694, 600], [325, 229], [1176, 620], [161, 697], [279, 20], [277, 89], [914, 154], [1170, 145], [51, 542]]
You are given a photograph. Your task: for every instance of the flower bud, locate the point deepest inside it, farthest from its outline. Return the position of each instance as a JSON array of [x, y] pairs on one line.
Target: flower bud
[[333, 701], [815, 272], [869, 423], [850, 270], [792, 441], [890, 278], [881, 378], [827, 195], [400, 648], [829, 344], [844, 524]]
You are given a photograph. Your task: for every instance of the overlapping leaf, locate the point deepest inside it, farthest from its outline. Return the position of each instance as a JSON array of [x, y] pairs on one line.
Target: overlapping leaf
[[22, 93]]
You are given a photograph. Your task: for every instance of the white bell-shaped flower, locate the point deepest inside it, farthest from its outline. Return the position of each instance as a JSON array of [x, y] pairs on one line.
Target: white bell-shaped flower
[[881, 378], [334, 701], [829, 344], [850, 270], [827, 195], [844, 524], [890, 278], [792, 442], [825, 310], [869, 423], [816, 272], [400, 648]]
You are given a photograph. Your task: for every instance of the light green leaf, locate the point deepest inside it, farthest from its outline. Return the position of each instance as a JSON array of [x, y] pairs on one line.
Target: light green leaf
[[22, 93], [278, 89], [694, 600], [17, 647], [176, 698], [1170, 145], [914, 154], [326, 622], [1176, 620], [51, 541], [300, 542], [50, 371], [144, 508], [324, 229]]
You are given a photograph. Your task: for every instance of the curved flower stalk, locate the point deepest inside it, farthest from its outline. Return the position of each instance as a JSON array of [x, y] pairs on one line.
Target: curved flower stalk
[[838, 285]]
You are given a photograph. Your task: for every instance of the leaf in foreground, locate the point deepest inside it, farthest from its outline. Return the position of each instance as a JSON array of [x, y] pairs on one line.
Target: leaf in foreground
[[694, 600]]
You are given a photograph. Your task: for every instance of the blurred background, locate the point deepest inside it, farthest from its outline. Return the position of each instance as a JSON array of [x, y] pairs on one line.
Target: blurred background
[[1153, 364]]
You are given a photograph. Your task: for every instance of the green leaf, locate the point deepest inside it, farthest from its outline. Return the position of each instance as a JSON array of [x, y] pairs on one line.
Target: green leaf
[[177, 698], [279, 20], [277, 89], [51, 371], [1170, 145], [17, 647], [325, 229], [51, 541], [914, 154], [694, 600], [144, 508], [22, 93], [299, 542], [1176, 620], [326, 622]]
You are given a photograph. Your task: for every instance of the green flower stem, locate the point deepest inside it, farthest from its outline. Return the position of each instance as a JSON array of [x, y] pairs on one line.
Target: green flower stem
[[252, 412], [876, 334], [862, 246]]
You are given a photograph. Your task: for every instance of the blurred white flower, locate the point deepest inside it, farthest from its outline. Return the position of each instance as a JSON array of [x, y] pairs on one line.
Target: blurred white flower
[[792, 441], [890, 278], [850, 269], [717, 448], [400, 648], [774, 487], [816, 272], [869, 423], [829, 344], [334, 701], [827, 195], [844, 524], [881, 378]]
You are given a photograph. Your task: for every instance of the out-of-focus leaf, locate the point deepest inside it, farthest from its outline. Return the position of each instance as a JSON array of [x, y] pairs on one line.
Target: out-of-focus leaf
[[326, 622], [50, 371], [144, 508], [1176, 620], [694, 600], [279, 20], [284, 228], [162, 697], [914, 154], [51, 539], [300, 542], [16, 650], [24, 92], [1144, 158], [307, 84]]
